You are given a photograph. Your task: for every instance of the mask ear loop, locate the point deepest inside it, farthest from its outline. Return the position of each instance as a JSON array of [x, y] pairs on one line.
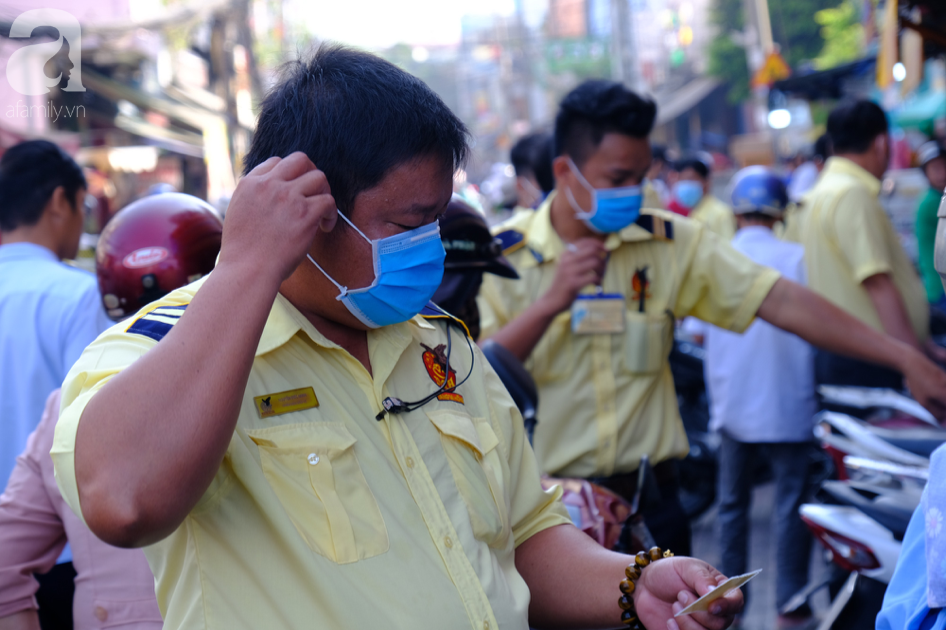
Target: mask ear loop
[[580, 212], [343, 291]]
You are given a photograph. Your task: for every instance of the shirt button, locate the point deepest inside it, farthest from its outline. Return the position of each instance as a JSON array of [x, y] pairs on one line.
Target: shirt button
[[410, 462], [448, 542], [100, 613], [485, 625], [313, 459]]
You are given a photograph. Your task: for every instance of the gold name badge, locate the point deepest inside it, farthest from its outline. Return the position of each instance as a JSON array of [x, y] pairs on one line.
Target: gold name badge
[[598, 314], [286, 402]]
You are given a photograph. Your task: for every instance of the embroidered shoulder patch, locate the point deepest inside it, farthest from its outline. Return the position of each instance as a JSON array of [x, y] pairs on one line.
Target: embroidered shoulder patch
[[157, 323]]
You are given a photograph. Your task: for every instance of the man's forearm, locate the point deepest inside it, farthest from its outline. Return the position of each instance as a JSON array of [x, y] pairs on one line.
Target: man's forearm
[[23, 620], [575, 583], [522, 334], [798, 310], [573, 580], [890, 308], [150, 442]]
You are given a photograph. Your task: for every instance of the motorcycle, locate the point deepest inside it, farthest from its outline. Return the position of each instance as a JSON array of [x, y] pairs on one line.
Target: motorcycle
[[882, 463]]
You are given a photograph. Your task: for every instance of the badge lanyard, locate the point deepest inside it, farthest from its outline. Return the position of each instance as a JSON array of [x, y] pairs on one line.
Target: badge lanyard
[[396, 405]]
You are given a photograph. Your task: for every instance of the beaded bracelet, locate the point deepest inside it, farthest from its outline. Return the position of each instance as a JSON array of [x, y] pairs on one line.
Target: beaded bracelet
[[633, 572]]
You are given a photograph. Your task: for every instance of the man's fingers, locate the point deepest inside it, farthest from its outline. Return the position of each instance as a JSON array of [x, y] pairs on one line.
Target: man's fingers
[[324, 205], [292, 166], [312, 183], [699, 577], [698, 621], [264, 167]]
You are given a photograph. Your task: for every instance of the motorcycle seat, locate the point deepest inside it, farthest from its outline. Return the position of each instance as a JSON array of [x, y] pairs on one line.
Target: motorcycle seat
[[891, 508], [919, 441]]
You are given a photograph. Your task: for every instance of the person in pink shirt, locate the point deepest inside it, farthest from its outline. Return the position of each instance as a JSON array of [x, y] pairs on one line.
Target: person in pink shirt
[[150, 248], [114, 587]]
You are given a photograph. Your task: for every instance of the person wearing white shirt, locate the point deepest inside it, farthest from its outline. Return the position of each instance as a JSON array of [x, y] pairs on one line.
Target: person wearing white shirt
[[49, 311], [762, 401]]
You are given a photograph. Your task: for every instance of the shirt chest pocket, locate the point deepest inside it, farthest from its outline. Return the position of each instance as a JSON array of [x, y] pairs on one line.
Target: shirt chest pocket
[[471, 447], [648, 339], [313, 471]]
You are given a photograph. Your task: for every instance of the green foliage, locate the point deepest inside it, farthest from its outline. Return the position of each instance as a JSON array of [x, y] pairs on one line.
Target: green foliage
[[843, 35], [727, 15], [727, 60], [793, 28]]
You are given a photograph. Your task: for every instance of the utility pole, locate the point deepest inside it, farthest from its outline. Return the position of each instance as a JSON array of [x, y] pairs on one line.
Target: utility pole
[[759, 45], [765, 27], [623, 52]]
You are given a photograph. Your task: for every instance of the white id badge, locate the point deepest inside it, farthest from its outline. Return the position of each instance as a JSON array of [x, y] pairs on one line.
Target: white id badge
[[602, 313]]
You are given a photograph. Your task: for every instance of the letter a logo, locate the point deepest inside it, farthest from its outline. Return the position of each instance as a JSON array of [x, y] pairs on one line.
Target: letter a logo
[[25, 66]]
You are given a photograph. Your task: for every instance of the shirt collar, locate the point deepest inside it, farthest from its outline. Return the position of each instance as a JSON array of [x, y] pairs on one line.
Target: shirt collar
[[543, 240], [285, 320], [844, 166], [24, 251]]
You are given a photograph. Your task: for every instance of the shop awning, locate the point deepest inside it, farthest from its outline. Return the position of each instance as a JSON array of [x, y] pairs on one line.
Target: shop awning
[[919, 112], [679, 102], [826, 83]]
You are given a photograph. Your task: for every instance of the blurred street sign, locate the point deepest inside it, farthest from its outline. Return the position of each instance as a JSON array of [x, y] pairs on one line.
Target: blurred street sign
[[774, 69]]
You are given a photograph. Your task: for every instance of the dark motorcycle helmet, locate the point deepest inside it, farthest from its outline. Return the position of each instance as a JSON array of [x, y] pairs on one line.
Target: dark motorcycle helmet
[[154, 246], [471, 251]]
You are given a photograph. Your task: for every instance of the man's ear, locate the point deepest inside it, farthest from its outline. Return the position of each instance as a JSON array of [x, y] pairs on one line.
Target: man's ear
[[560, 169], [882, 145], [59, 207]]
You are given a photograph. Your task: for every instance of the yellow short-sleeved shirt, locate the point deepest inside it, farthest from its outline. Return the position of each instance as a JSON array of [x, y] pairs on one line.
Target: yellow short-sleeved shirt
[[607, 399], [715, 215], [324, 516], [849, 238]]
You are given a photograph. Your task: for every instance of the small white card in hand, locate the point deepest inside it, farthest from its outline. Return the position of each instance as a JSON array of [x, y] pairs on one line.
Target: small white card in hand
[[702, 604]]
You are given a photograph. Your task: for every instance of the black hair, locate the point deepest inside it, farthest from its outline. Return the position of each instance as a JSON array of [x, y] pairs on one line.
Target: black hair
[[29, 174], [597, 107], [542, 166], [757, 216], [357, 117], [532, 155], [522, 152], [696, 164], [822, 148], [853, 127]]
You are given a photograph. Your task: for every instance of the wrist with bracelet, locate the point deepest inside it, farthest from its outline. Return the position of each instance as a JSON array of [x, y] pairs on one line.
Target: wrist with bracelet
[[629, 616]]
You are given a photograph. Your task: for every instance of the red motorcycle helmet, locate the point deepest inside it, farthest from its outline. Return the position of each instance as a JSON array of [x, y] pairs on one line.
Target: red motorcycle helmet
[[154, 246]]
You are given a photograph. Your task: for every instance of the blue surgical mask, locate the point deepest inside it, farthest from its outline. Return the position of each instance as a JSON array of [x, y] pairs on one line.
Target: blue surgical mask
[[612, 209], [688, 193], [408, 269]]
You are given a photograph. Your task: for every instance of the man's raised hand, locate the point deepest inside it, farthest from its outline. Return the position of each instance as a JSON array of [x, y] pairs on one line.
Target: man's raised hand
[[581, 264], [274, 215]]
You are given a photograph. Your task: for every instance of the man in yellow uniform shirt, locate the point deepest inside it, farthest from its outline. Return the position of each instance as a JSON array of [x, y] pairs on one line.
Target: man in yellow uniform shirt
[[601, 283], [694, 190], [853, 254], [293, 453]]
